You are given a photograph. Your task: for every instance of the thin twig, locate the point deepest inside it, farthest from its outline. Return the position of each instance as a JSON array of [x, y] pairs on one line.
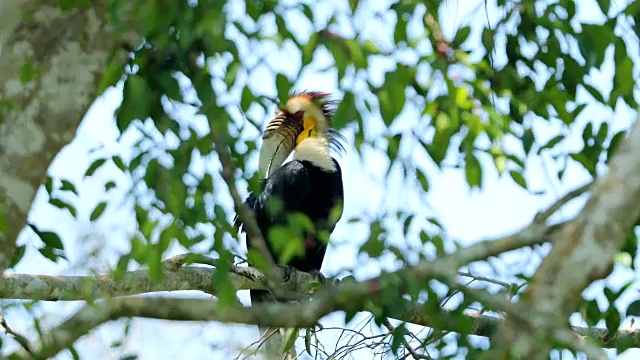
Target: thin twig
[[544, 215], [485, 279], [406, 344], [23, 341], [245, 214]]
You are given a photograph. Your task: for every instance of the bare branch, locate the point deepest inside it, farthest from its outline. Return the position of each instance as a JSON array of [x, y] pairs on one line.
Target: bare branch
[[543, 216], [23, 341], [406, 344]]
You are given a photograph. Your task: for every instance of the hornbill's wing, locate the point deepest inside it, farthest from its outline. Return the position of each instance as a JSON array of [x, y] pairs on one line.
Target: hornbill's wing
[[290, 184]]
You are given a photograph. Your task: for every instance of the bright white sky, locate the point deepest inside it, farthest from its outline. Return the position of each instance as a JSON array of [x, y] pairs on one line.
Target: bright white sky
[[469, 216]]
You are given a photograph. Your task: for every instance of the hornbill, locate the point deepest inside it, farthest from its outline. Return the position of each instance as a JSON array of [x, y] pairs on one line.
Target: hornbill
[[311, 183]]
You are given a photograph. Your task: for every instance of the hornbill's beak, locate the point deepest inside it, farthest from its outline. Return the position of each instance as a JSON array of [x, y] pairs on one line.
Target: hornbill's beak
[[278, 141]]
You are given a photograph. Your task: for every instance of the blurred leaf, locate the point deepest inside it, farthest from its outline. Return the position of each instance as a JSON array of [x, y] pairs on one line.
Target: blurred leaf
[[109, 185], [519, 178], [473, 171], [113, 73], [48, 184], [592, 314], [49, 238], [346, 111], [95, 165], [290, 337], [527, 140], [68, 186], [97, 211], [604, 6], [307, 341], [135, 102], [117, 160], [17, 256], [423, 180], [613, 144], [461, 35], [63, 205], [634, 308], [353, 4], [284, 87]]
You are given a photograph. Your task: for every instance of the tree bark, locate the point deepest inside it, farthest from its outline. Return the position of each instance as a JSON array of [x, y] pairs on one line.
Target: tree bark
[[51, 62], [583, 252]]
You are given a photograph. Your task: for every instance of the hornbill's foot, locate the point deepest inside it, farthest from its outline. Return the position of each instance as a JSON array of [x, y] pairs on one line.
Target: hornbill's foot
[[287, 270], [318, 276]]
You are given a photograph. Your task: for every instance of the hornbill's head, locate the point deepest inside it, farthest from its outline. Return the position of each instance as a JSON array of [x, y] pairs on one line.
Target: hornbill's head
[[303, 124]]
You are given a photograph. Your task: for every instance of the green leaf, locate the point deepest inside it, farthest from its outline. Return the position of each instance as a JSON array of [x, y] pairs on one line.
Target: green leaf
[[169, 85], [551, 143], [247, 98], [18, 254], [95, 165], [528, 139], [135, 102], [634, 308], [422, 179], [386, 107], [109, 185], [594, 92], [232, 73], [48, 184], [592, 313], [473, 171], [63, 205], [353, 4], [400, 33], [624, 80], [28, 72], [290, 339], [112, 74], [394, 146], [50, 239], [284, 87], [97, 211], [461, 35], [604, 6], [612, 319], [307, 341], [346, 111], [518, 178], [52, 254], [68, 186], [614, 143], [117, 160]]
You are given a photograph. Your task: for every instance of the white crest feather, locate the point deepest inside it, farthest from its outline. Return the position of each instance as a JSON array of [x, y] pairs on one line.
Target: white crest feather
[[316, 151]]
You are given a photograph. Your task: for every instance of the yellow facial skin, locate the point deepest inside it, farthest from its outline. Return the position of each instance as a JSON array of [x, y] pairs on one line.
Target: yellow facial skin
[[309, 130]]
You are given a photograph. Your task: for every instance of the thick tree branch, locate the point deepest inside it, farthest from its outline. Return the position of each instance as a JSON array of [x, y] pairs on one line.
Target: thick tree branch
[[175, 278], [269, 314], [50, 64], [583, 251]]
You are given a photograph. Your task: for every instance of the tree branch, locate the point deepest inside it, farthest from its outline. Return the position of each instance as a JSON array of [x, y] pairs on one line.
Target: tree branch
[[583, 251], [175, 278], [299, 315], [63, 55]]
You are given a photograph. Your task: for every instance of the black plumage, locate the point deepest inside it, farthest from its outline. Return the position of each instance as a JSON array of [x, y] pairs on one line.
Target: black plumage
[[302, 187]]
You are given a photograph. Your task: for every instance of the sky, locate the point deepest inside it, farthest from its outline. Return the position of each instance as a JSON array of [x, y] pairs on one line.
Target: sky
[[469, 216]]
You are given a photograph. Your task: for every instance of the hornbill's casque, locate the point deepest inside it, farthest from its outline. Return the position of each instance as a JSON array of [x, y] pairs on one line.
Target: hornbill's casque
[[311, 183]]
